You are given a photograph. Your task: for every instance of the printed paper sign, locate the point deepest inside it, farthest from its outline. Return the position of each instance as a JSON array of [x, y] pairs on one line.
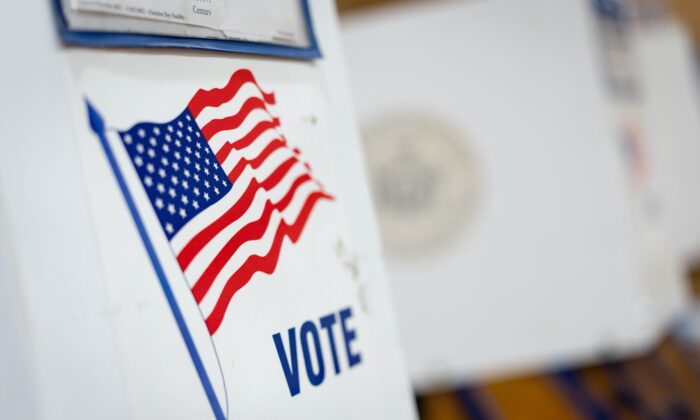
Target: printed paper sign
[[270, 21], [209, 13]]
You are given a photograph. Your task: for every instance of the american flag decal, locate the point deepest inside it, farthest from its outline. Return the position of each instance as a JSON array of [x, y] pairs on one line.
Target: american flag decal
[[227, 189]]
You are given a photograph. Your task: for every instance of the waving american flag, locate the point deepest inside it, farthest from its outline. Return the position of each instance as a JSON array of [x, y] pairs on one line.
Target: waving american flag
[[227, 188]]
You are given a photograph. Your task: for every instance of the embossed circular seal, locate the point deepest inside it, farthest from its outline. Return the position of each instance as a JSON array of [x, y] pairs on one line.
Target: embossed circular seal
[[425, 181]]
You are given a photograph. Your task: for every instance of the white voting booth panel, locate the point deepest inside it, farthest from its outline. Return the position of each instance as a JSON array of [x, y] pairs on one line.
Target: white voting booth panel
[[100, 315], [671, 111], [515, 236]]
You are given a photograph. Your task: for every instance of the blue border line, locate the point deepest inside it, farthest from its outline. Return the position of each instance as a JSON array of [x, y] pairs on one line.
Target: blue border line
[[469, 402], [575, 391], [97, 125], [123, 39]]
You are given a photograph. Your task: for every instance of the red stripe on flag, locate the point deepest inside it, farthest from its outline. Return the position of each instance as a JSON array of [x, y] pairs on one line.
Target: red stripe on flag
[[234, 121], [192, 248], [262, 264], [250, 232], [246, 140], [219, 96], [257, 161]]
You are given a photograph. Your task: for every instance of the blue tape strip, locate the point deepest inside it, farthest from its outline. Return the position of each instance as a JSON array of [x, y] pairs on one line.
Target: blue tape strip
[[97, 125], [470, 404], [610, 9], [625, 396], [122, 39], [576, 392]]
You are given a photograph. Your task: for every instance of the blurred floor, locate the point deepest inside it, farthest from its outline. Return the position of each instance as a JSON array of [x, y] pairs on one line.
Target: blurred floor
[[663, 384], [689, 12]]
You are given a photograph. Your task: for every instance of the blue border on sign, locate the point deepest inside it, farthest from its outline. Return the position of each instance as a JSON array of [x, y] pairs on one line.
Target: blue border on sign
[[97, 125], [124, 39]]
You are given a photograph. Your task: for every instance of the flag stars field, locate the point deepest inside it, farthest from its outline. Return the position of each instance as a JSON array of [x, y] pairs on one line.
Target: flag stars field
[[172, 196]]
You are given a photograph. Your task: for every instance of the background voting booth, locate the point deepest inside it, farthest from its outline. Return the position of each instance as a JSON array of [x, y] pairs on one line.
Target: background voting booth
[[524, 204], [185, 226], [670, 108]]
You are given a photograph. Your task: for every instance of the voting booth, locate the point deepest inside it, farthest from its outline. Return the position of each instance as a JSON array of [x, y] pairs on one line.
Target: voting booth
[[511, 174], [185, 224]]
